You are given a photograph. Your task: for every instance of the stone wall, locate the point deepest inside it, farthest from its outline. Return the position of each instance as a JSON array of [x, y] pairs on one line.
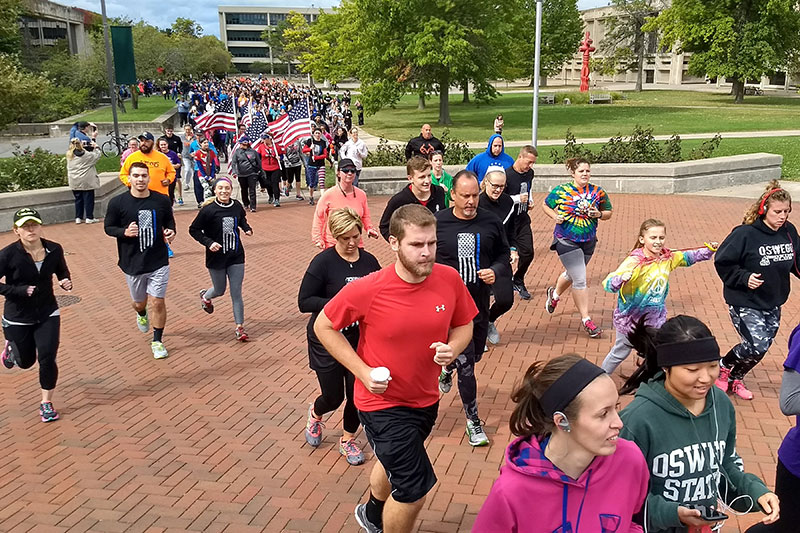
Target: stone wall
[[645, 178]]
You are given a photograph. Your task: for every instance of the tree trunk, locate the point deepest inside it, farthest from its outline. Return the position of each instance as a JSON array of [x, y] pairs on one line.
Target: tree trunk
[[134, 97], [639, 63], [466, 92], [421, 102], [444, 99], [738, 91]]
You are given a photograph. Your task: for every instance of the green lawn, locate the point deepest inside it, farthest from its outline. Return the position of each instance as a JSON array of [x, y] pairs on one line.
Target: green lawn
[[667, 112], [108, 164], [788, 147], [149, 109]]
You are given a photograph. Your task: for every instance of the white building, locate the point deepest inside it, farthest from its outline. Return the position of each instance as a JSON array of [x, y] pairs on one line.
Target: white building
[[241, 27]]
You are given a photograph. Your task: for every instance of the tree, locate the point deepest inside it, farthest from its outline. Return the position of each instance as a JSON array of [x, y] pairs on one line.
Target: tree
[[625, 39], [187, 27], [10, 10], [562, 29], [20, 92], [739, 40]]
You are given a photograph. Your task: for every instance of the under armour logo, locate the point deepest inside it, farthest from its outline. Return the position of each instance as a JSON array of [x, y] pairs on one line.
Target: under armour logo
[[439, 308]]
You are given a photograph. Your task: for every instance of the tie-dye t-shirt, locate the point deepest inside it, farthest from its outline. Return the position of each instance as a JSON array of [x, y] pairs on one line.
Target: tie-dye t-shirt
[[573, 203]]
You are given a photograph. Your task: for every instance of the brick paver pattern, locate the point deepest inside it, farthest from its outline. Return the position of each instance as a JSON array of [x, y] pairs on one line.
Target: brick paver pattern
[[211, 439]]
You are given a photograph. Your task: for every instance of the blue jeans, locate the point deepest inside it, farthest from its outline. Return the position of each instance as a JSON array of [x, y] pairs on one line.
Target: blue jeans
[[84, 203]]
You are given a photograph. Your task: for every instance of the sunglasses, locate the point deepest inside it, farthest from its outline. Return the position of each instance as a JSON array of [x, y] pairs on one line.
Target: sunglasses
[[348, 170]]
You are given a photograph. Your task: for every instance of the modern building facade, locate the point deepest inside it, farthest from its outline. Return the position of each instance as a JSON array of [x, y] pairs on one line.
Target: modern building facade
[[241, 28], [661, 68], [48, 24]]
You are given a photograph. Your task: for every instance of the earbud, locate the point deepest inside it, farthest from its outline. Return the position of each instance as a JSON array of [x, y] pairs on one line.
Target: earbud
[[564, 422]]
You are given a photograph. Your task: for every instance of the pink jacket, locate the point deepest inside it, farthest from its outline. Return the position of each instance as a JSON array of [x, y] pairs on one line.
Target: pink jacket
[[333, 199], [533, 496]]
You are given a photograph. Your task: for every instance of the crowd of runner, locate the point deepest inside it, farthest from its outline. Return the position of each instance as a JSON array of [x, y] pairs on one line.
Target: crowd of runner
[[463, 247]]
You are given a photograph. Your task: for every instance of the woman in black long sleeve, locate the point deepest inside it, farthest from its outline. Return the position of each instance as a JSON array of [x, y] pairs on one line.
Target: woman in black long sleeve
[[31, 318], [216, 227], [327, 274]]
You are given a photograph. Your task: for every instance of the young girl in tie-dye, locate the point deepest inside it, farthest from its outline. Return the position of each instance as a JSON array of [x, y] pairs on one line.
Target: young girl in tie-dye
[[642, 281]]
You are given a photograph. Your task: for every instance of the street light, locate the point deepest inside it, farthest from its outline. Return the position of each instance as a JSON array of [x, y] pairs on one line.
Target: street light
[[536, 66]]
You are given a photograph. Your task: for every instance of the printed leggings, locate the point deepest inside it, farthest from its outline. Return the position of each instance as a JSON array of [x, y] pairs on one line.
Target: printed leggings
[[465, 362], [757, 330], [219, 279], [36, 341]]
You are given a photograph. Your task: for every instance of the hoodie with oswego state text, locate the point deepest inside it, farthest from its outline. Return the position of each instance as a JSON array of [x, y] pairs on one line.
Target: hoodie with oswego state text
[[487, 162], [533, 496], [690, 457], [757, 248]]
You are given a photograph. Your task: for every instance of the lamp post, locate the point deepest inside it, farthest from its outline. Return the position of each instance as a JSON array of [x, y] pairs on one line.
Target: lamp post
[[110, 71], [536, 66]]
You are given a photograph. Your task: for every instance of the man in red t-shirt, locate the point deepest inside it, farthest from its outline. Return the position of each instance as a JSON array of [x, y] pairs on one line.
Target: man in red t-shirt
[[415, 317]]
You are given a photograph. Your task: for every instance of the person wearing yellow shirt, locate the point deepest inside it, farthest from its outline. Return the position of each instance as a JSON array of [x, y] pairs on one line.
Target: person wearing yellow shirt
[[162, 172]]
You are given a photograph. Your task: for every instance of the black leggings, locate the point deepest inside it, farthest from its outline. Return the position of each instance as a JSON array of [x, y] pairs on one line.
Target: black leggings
[[503, 291], [336, 384], [274, 183], [28, 342], [787, 487], [524, 249], [292, 173]]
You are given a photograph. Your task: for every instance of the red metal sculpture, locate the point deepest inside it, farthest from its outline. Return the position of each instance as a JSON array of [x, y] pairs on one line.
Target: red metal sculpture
[[586, 48]]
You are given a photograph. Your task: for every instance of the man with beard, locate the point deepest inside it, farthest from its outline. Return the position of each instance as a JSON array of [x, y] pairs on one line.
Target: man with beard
[[415, 316], [162, 173], [519, 180], [424, 145], [473, 241]]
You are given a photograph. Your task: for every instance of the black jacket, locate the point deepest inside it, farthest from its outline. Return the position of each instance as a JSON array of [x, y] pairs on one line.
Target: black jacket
[[20, 272], [505, 210], [435, 204], [246, 162], [423, 147], [755, 248]]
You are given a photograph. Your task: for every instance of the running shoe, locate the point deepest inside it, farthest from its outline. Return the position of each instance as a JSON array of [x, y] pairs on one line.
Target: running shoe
[[143, 322], [723, 380], [252, 209], [159, 351], [180, 201], [47, 412], [271, 199], [738, 388], [590, 328], [91, 221], [300, 197], [477, 437], [445, 381], [363, 521], [241, 335], [551, 303], [313, 428], [311, 201], [78, 220], [523, 292], [277, 203], [493, 335], [351, 451], [206, 305], [8, 356]]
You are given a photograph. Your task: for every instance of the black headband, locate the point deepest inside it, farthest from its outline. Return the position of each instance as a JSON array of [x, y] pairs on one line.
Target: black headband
[[570, 384], [687, 352]]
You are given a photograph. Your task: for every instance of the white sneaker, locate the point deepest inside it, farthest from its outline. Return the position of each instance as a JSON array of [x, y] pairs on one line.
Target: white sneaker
[[159, 351], [91, 220], [143, 322], [493, 335], [475, 433], [78, 220]]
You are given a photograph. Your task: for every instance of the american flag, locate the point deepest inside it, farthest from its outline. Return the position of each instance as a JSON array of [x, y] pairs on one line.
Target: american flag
[[254, 130], [247, 117], [222, 117], [294, 125]]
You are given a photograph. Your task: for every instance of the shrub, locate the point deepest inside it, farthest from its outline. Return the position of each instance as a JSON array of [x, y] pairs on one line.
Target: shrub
[[640, 147], [457, 152], [32, 169]]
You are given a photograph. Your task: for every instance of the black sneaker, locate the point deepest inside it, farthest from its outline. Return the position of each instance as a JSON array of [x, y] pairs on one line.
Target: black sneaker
[[363, 521], [8, 356], [445, 381], [523, 292]]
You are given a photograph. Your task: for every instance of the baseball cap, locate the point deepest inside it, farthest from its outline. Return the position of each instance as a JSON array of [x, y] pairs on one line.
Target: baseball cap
[[244, 139], [26, 214], [146, 136], [345, 164]]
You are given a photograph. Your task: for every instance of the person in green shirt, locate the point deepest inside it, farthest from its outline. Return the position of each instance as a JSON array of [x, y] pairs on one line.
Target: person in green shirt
[[439, 176]]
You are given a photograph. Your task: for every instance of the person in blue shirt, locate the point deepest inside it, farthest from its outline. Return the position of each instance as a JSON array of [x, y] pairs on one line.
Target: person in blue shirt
[[494, 158]]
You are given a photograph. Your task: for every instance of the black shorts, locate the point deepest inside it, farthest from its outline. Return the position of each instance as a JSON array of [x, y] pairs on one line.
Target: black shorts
[[397, 436]]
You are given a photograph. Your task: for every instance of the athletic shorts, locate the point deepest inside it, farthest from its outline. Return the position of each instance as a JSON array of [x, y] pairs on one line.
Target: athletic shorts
[[152, 283], [397, 436], [312, 176], [563, 246]]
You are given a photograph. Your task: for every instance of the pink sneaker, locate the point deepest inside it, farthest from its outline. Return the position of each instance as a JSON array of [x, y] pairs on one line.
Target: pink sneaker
[[738, 388], [722, 380], [351, 451]]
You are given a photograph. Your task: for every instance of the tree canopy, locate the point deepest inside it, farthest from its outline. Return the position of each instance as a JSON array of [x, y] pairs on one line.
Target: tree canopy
[[740, 40], [625, 39]]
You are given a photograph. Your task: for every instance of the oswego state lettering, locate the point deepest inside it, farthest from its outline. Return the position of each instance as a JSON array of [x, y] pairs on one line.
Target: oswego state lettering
[[699, 458]]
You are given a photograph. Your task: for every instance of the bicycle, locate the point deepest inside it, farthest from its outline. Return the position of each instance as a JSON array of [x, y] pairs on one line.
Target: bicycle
[[115, 145]]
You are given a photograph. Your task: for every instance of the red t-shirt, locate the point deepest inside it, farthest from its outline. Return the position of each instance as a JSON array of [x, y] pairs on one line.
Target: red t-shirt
[[398, 323]]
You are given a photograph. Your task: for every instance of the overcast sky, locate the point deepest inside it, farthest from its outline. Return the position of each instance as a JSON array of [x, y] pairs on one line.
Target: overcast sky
[[163, 14]]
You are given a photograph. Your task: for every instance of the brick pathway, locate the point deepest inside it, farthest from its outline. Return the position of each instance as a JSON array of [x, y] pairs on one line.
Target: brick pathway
[[211, 438]]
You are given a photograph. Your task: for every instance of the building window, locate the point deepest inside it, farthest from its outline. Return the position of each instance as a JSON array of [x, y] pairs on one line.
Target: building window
[[276, 18], [259, 19], [244, 35], [241, 51]]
